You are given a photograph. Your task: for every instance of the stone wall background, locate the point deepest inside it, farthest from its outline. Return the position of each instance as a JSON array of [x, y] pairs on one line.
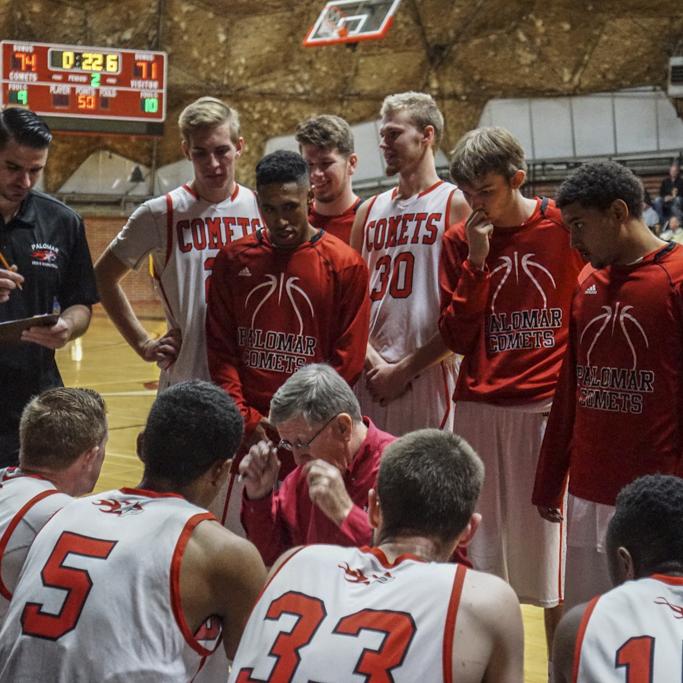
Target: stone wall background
[[250, 53]]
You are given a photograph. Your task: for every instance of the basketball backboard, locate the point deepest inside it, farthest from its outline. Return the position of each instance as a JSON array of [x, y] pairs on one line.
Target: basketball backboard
[[350, 21]]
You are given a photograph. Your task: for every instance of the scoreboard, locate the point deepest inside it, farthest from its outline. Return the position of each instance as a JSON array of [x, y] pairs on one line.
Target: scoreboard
[[88, 89]]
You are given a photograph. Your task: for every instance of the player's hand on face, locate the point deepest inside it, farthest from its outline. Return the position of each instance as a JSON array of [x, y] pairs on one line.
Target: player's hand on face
[[387, 381], [478, 229], [550, 514], [9, 281], [259, 468], [53, 337], [327, 490]]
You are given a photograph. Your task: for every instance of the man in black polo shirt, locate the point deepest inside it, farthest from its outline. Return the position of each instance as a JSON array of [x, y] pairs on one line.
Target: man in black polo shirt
[[43, 243]]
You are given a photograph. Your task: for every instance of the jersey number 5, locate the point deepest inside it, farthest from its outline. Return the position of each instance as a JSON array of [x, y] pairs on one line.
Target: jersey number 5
[[396, 274], [375, 665], [76, 583]]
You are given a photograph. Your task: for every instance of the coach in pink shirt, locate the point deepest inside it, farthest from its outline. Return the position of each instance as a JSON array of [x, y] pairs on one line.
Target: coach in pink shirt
[[337, 454]]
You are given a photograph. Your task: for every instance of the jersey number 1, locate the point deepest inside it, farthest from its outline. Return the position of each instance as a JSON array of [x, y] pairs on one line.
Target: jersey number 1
[[76, 583]]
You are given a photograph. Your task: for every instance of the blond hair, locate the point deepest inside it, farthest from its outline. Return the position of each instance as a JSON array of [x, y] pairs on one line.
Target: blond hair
[[207, 112], [59, 425], [421, 107], [486, 150]]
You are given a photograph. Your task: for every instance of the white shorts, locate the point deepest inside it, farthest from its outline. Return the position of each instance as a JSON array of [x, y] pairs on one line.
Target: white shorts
[[513, 541], [587, 574], [428, 402]]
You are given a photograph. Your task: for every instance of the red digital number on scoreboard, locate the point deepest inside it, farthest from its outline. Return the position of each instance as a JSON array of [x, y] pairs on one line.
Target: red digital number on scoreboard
[[87, 82]]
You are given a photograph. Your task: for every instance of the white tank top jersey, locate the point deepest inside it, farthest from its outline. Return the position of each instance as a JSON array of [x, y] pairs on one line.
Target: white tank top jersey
[[183, 232], [27, 502], [402, 246], [99, 597], [333, 614], [633, 634]]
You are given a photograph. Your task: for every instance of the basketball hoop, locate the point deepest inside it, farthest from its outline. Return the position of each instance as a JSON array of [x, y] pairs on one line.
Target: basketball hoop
[[350, 21]]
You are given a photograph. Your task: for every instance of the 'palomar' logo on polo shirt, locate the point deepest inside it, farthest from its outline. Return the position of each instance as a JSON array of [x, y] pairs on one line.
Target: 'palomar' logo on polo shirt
[[44, 255]]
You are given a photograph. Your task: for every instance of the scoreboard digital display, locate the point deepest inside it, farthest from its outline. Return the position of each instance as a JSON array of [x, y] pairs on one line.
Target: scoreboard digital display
[[86, 88]]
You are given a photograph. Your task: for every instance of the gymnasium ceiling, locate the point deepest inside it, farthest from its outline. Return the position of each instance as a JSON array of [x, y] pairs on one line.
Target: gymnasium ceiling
[[249, 52]]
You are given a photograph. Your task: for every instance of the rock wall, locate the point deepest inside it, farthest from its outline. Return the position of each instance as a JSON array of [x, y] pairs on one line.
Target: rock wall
[[250, 53]]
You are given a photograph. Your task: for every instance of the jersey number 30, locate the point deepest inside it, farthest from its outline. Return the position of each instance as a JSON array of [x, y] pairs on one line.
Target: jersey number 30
[[76, 582], [375, 665]]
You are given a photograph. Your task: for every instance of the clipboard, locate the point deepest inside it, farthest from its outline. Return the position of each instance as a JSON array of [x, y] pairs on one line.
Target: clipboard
[[10, 331]]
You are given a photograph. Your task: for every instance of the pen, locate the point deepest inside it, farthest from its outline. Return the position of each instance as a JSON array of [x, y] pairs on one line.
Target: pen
[[7, 266]]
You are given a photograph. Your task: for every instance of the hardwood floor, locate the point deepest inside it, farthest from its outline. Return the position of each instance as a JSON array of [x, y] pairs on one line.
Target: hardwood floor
[[127, 384]]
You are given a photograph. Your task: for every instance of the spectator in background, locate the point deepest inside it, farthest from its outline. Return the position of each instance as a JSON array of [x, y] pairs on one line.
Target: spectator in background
[[673, 232], [670, 200], [650, 216]]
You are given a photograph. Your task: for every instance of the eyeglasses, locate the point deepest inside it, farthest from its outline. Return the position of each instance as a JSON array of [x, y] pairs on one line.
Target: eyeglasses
[[301, 445]]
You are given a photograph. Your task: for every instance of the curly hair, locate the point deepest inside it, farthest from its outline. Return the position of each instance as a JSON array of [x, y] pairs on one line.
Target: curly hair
[[597, 184], [190, 426], [281, 166], [648, 523]]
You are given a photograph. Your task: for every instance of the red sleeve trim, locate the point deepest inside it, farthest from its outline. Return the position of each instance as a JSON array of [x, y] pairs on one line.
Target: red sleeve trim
[[169, 224], [176, 560], [367, 218], [190, 190], [432, 187], [444, 377], [664, 578], [447, 222], [382, 558], [277, 571], [580, 635], [449, 628], [4, 591], [149, 494]]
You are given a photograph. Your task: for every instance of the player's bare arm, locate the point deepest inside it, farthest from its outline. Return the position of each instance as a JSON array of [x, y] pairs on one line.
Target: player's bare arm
[[221, 574], [72, 323], [564, 644], [109, 272], [356, 239], [260, 468], [388, 381], [494, 631], [459, 209]]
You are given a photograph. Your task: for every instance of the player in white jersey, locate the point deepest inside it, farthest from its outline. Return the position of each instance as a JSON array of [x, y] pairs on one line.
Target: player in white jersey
[[62, 434], [396, 611], [634, 632], [183, 231], [409, 373], [139, 584]]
